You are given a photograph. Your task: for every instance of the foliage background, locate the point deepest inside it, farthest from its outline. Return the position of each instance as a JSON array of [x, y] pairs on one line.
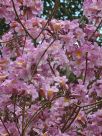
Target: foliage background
[[68, 9]]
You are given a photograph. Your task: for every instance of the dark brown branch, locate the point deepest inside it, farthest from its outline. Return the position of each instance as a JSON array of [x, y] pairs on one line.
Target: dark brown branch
[[54, 11], [66, 125], [14, 113], [23, 117], [5, 127], [35, 69], [53, 72], [95, 30], [12, 39], [40, 110], [86, 67], [21, 21]]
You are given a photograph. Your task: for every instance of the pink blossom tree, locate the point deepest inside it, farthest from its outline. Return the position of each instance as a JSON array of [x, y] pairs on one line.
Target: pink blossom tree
[[50, 72]]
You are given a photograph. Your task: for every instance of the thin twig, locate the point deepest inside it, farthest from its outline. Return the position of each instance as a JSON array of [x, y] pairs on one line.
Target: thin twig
[[23, 117], [92, 104], [41, 109], [35, 69], [15, 117], [65, 126], [24, 44], [95, 103], [86, 67], [52, 70], [54, 11], [12, 39], [33, 117], [95, 30], [21, 21], [68, 126], [5, 127]]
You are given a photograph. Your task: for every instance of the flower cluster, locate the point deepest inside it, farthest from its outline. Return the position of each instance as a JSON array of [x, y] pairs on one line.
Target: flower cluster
[[50, 72]]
